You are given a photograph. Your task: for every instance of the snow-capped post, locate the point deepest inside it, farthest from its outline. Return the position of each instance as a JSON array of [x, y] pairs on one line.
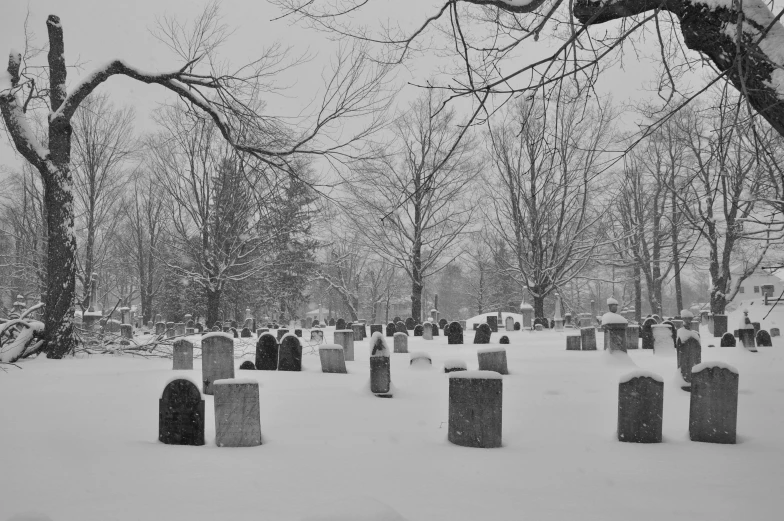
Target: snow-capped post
[[217, 359], [181, 414], [266, 352], [475, 409], [401, 343], [559, 321], [346, 339], [333, 359], [713, 411], [614, 328], [640, 407], [380, 376], [182, 355], [237, 418], [588, 338], [492, 359], [689, 354]]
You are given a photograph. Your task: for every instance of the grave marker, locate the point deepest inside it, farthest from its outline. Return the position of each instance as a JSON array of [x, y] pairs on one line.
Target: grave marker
[[763, 339], [290, 354], [237, 419], [455, 333], [401, 343], [640, 407], [267, 353], [217, 352], [492, 359], [588, 338], [182, 355], [333, 359], [345, 338], [573, 342], [482, 335], [380, 376], [427, 331], [475, 409], [181, 414], [713, 411]]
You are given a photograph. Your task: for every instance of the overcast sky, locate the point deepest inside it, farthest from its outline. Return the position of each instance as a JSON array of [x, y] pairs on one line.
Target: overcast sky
[[99, 31]]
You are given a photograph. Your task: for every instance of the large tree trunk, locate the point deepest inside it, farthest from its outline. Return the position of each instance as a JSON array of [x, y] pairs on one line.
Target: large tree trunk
[[416, 283], [637, 294], [213, 306], [538, 306]]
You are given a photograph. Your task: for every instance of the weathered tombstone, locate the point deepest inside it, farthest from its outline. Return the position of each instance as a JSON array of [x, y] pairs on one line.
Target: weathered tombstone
[[359, 331], [266, 353], [763, 339], [420, 360], [246, 333], [442, 323], [435, 330], [475, 409], [401, 343], [160, 328], [190, 331], [333, 358], [317, 336], [380, 376], [774, 332], [632, 336], [298, 333], [169, 333], [455, 333], [190, 323], [290, 354], [179, 328], [331, 321], [614, 331], [419, 330], [340, 324], [181, 414], [713, 411], [509, 324], [746, 337], [492, 359], [237, 419], [727, 340], [482, 335], [640, 407], [391, 329], [647, 333], [247, 365], [538, 327], [588, 338], [182, 355], [410, 323], [400, 327], [573, 342], [492, 321], [689, 355], [503, 340], [376, 328], [217, 359], [451, 366], [126, 331], [345, 338], [282, 333], [427, 331]]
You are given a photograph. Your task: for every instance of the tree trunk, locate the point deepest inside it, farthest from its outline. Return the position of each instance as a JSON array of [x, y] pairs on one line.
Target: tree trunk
[[213, 306], [675, 256], [637, 294], [416, 283], [538, 306]]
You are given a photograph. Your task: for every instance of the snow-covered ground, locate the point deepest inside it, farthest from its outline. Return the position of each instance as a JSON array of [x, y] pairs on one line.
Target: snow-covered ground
[[79, 443]]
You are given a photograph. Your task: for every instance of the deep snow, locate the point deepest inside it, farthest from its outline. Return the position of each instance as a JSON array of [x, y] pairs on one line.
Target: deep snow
[[79, 443]]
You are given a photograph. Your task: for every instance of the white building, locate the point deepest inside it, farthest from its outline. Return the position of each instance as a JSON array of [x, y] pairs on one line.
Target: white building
[[759, 284]]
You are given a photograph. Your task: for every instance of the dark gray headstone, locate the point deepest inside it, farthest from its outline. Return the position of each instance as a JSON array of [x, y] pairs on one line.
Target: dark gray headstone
[[376, 328], [746, 337], [317, 336], [442, 323], [615, 337], [400, 327], [640, 409], [573, 343], [331, 321], [689, 355], [492, 359], [763, 339], [247, 365], [290, 354], [588, 338], [727, 340], [455, 334], [774, 332], [281, 333], [647, 333], [475, 409], [246, 333], [517, 326], [267, 353], [340, 324], [482, 335], [713, 411], [181, 414], [492, 321], [298, 333], [419, 330], [380, 377], [410, 323], [391, 329], [505, 340]]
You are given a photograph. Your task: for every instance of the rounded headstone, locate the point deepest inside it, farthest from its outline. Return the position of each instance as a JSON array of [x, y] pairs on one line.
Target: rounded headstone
[[181, 414], [247, 365], [267, 353], [482, 335]]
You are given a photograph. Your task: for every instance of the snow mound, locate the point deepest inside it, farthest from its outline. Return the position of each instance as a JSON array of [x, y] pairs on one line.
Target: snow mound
[[713, 365], [330, 346], [685, 313], [639, 373], [685, 334], [239, 381], [481, 375], [619, 359], [491, 350], [354, 509], [217, 334], [613, 318], [454, 363], [611, 301]]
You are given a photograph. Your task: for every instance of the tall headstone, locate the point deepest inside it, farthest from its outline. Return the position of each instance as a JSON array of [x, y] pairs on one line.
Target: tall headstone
[[237, 419], [391, 329], [492, 322], [640, 407], [160, 328], [380, 375], [455, 334], [267, 353], [632, 336], [217, 355], [401, 343], [345, 338], [181, 414], [647, 333], [290, 354], [588, 338], [333, 359], [475, 409], [182, 355], [713, 411], [719, 325], [689, 355], [493, 359], [528, 315]]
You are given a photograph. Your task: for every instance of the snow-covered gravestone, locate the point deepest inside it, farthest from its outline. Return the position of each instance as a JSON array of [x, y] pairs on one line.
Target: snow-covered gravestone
[[572, 343], [380, 376], [763, 339], [420, 360], [182, 356], [640, 407], [427, 331], [454, 365], [237, 419], [391, 329], [662, 339], [282, 333], [317, 336], [509, 324], [345, 338], [419, 330], [475, 409], [482, 335], [727, 340], [713, 411], [689, 354], [266, 353], [290, 354], [333, 359], [492, 359], [632, 336], [614, 332], [401, 343], [400, 327], [181, 414], [217, 353], [588, 338], [455, 333]]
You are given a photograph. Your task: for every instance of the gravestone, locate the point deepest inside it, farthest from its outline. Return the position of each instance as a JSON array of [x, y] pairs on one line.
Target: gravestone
[[727, 340], [615, 337], [774, 332], [640, 407], [290, 354], [182, 355], [190, 331], [442, 323], [181, 414], [160, 328], [233, 324], [475, 325], [573, 342], [261, 330], [380, 376], [345, 338], [247, 365], [376, 328], [126, 331], [317, 336], [538, 327], [179, 328], [340, 324], [647, 333], [267, 353], [757, 327], [410, 323], [689, 355], [331, 321], [517, 326], [400, 327], [282, 333], [199, 328], [504, 340], [475, 409], [217, 359], [237, 419], [419, 330], [632, 336], [401, 343], [492, 321], [588, 338], [455, 334], [713, 411], [435, 330], [427, 331], [359, 331], [246, 333], [396, 320], [763, 339], [451, 366], [509, 324], [234, 333], [420, 359], [492, 359], [391, 329], [170, 325], [333, 358], [746, 337], [482, 335], [218, 324], [298, 333]]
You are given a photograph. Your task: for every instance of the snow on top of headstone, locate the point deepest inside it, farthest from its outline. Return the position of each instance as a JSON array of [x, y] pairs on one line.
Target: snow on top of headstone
[[491, 350], [660, 326], [613, 318], [400, 333], [639, 373], [685, 334], [714, 364], [685, 313], [480, 375], [238, 381], [378, 337], [289, 334], [181, 377], [429, 319], [344, 331], [611, 301], [419, 354], [454, 363], [330, 346], [213, 334]]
